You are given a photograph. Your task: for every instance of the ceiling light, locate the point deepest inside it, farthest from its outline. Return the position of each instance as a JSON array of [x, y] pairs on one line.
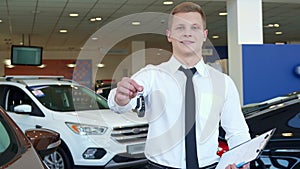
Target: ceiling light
[[42, 66], [135, 23], [168, 2], [10, 66], [95, 38], [100, 65], [73, 14], [271, 25], [279, 43], [7, 62], [278, 33], [63, 30], [93, 19], [215, 37], [222, 13], [71, 65], [1, 21]]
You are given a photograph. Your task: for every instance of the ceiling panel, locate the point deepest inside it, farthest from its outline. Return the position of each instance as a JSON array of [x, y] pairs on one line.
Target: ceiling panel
[[44, 21], [52, 3]]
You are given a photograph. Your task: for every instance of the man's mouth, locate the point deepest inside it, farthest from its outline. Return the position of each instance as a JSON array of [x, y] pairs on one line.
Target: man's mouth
[[186, 42]]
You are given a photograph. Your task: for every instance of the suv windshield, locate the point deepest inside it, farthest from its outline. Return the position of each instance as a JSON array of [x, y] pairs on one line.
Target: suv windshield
[[68, 98]]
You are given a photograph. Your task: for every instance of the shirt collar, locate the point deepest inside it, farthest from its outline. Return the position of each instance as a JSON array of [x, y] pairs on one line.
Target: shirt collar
[[174, 65], [201, 68]]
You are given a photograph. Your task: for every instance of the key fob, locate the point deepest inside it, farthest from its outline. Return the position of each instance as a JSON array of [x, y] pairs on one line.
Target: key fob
[[140, 106]]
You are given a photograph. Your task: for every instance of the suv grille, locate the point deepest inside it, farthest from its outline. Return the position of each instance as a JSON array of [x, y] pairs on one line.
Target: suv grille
[[133, 134]]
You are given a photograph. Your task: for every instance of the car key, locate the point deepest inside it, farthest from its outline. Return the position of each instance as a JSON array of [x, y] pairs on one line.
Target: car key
[[140, 106]]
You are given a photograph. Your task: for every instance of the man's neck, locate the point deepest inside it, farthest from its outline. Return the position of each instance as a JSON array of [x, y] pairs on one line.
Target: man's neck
[[189, 61]]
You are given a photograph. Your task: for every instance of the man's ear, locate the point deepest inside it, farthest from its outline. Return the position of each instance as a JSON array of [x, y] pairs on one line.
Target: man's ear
[[168, 33], [205, 34]]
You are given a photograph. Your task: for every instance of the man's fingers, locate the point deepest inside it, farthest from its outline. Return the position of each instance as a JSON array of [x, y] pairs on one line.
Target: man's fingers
[[130, 84], [246, 166], [124, 90], [136, 86], [128, 88]]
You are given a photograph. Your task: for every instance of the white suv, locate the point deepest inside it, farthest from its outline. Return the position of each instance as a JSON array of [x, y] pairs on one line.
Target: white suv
[[91, 134]]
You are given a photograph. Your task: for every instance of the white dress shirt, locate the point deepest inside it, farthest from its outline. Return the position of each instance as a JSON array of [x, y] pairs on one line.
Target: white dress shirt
[[217, 102]]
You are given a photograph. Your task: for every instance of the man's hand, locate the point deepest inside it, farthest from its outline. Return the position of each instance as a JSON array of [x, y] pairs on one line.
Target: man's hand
[[233, 166], [126, 90]]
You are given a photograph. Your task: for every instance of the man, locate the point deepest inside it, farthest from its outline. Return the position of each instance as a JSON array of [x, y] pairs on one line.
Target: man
[[165, 89]]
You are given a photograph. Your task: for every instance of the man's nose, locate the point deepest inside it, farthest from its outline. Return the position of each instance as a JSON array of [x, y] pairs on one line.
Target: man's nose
[[187, 33]]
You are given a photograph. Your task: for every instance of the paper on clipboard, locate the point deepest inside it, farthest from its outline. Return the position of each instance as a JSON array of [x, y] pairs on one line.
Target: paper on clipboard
[[245, 152]]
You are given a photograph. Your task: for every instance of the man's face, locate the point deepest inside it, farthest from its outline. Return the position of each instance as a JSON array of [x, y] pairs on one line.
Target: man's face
[[187, 34]]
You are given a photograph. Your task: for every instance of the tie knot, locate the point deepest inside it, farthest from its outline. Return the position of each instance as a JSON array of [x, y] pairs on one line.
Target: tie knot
[[188, 72]]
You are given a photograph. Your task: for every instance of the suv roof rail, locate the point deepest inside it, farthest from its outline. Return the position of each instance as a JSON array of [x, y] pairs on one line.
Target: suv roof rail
[[17, 77], [21, 78]]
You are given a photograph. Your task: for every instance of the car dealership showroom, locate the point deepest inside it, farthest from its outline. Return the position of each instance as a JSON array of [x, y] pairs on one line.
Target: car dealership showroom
[[67, 65]]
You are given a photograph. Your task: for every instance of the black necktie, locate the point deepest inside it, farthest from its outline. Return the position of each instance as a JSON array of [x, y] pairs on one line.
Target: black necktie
[[190, 130]]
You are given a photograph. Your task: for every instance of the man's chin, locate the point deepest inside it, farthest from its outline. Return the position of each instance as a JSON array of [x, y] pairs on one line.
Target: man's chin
[[189, 51]]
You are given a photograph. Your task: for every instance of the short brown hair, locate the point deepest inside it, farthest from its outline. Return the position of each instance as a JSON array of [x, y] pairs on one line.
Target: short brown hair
[[188, 7]]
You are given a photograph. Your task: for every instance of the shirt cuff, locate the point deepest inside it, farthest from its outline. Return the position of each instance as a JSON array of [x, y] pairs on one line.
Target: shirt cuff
[[114, 106]]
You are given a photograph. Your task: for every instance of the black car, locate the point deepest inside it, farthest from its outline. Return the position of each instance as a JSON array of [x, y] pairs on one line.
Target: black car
[[283, 150], [103, 87], [282, 113]]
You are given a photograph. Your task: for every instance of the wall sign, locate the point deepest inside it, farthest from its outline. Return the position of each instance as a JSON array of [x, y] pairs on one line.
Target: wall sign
[[297, 70]]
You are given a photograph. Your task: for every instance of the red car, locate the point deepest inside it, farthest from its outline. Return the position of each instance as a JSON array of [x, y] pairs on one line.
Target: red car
[[223, 147], [19, 150]]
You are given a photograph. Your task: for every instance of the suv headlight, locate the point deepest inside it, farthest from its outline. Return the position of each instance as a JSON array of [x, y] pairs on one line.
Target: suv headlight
[[86, 129]]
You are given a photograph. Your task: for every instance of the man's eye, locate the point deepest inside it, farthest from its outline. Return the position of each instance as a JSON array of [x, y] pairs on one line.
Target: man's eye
[[179, 28], [195, 27]]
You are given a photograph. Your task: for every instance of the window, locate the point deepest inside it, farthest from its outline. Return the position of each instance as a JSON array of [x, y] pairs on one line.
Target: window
[[295, 121], [68, 98], [9, 147], [4, 139], [13, 96]]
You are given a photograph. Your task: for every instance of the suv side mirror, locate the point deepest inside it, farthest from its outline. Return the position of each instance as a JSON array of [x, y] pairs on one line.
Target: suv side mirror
[[44, 141], [23, 109]]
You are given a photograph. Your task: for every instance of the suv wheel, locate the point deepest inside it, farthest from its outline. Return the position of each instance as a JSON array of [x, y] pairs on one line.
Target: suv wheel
[[58, 160]]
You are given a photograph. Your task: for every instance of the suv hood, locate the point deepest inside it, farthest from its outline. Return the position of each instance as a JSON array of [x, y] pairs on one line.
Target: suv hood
[[107, 118]]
